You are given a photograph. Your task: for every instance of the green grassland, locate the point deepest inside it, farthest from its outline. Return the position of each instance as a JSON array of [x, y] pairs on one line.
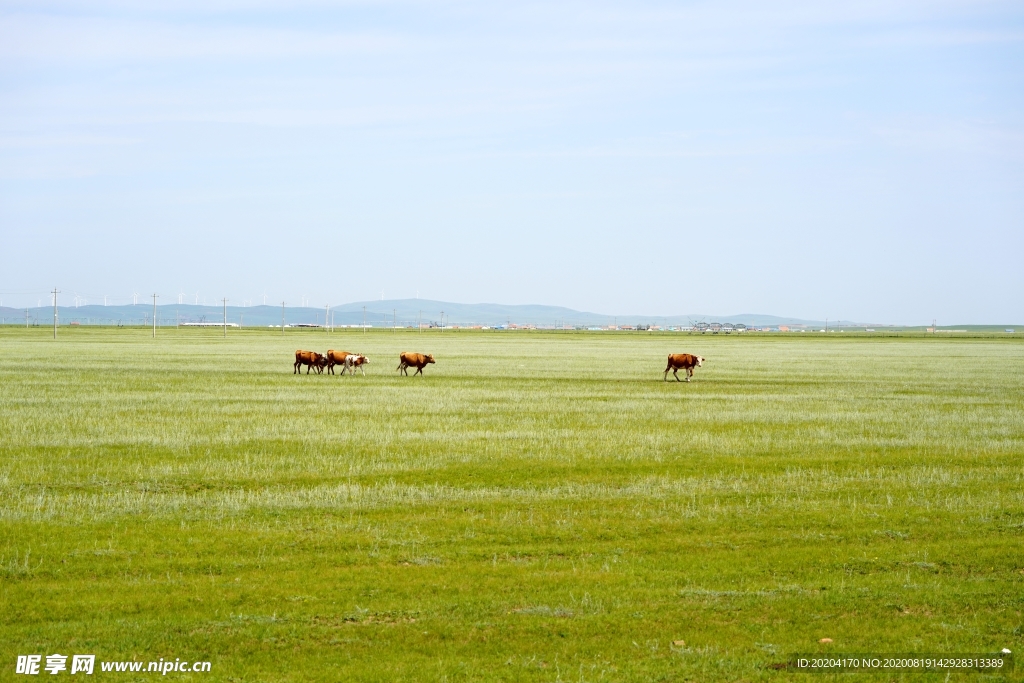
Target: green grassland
[[537, 507]]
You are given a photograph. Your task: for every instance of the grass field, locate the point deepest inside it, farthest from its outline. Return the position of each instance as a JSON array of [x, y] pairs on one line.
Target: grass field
[[538, 507]]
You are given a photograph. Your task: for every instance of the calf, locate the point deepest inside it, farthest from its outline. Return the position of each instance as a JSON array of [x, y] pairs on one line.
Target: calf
[[353, 361], [310, 358], [417, 360], [336, 358], [683, 361]]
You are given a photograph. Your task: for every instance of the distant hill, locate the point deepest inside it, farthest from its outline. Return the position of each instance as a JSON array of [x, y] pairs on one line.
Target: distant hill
[[380, 313], [377, 313]]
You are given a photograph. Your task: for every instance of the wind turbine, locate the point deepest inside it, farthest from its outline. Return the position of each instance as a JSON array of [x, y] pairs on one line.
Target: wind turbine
[[264, 297], [197, 298], [181, 295]]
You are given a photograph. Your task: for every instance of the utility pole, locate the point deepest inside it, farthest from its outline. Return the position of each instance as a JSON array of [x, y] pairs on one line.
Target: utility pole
[[282, 317], [394, 318], [419, 320], [26, 318], [155, 295], [327, 319], [225, 317], [364, 319], [55, 293], [442, 322]]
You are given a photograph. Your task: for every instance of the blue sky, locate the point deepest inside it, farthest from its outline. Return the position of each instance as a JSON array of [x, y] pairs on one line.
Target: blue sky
[[855, 160]]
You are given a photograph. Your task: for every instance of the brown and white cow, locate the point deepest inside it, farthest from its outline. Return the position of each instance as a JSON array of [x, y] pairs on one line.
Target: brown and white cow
[[416, 360], [336, 358], [310, 358], [353, 361], [339, 358], [683, 361]]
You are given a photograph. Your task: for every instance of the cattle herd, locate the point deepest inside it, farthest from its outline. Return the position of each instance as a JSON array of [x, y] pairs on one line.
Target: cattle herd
[[350, 361]]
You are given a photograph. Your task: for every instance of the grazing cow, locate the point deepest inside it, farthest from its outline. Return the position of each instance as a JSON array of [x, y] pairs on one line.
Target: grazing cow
[[353, 361], [683, 361], [310, 358], [336, 358], [416, 360]]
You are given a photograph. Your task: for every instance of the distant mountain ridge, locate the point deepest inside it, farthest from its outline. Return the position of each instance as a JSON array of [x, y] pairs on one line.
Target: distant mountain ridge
[[378, 313]]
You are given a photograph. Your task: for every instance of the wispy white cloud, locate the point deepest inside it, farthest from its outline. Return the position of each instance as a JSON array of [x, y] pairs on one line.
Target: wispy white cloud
[[44, 141], [52, 39], [961, 137]]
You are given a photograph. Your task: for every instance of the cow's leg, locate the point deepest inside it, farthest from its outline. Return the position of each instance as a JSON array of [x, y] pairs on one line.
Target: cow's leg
[[675, 373], [295, 367], [419, 371], [665, 376], [330, 367]]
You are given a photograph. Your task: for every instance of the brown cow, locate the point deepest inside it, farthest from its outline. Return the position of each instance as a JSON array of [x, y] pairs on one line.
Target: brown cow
[[683, 361], [310, 358], [416, 360]]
